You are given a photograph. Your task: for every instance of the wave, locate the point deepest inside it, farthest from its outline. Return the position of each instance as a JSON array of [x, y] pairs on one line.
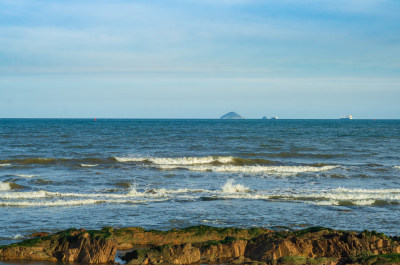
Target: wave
[[4, 186], [89, 165], [25, 176], [18, 236], [230, 187], [252, 169], [304, 155], [228, 191], [5, 164], [396, 167], [51, 161], [178, 161]]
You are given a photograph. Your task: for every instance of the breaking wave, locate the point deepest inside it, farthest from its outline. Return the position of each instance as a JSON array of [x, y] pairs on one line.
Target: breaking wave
[[178, 161], [396, 167], [5, 164], [228, 191], [89, 165], [4, 186], [25, 176], [52, 161], [252, 169], [230, 187]]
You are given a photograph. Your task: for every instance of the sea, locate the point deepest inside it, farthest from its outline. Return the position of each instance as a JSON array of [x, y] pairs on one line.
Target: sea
[[163, 174]]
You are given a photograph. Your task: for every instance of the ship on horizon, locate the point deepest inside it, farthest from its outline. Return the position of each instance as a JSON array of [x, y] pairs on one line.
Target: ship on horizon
[[346, 117]]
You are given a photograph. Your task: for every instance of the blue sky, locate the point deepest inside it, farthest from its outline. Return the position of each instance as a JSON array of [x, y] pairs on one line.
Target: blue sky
[[200, 58]]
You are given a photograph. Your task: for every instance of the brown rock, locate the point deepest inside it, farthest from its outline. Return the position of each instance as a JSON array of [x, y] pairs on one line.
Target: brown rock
[[69, 245], [38, 234]]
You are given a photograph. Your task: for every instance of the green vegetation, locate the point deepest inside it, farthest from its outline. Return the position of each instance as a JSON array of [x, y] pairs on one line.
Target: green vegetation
[[105, 232], [374, 233], [201, 230], [298, 260], [376, 259], [255, 232], [227, 240], [311, 230], [26, 243]]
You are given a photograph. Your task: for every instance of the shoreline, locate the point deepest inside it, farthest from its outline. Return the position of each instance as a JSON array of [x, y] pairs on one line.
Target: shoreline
[[207, 245]]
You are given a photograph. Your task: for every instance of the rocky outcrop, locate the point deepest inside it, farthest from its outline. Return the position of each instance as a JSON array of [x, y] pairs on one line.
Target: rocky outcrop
[[206, 245], [128, 238], [70, 245], [320, 242], [309, 246], [211, 252]]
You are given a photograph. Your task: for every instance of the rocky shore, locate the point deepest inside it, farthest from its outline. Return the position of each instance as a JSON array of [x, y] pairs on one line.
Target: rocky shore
[[208, 245]]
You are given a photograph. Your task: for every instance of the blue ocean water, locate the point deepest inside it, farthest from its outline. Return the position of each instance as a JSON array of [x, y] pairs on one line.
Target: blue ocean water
[[163, 174]]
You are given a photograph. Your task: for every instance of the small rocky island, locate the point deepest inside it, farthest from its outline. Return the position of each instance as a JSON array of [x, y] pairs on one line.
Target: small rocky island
[[231, 115], [208, 245]]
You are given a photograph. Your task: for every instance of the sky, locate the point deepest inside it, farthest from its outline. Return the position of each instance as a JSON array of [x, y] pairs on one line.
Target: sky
[[199, 58]]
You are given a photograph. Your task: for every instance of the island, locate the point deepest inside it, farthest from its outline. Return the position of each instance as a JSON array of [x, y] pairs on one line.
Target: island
[[231, 115]]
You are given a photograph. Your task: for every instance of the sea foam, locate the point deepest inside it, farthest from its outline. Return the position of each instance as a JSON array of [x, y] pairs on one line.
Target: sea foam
[[89, 165], [25, 176], [178, 161], [4, 186], [252, 169], [231, 187]]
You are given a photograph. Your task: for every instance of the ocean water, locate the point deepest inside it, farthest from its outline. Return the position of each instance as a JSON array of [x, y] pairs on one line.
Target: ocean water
[[163, 174]]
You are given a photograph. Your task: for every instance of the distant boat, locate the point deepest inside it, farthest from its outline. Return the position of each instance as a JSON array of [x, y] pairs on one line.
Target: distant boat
[[346, 117], [274, 118]]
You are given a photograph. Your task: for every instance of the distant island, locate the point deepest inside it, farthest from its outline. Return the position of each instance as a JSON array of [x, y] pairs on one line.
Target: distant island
[[231, 115]]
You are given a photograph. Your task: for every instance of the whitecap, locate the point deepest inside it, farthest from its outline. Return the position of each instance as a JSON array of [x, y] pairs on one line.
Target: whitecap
[[89, 165], [253, 169], [4, 186], [230, 187], [25, 176], [5, 165], [71, 202], [178, 160], [26, 195], [18, 236]]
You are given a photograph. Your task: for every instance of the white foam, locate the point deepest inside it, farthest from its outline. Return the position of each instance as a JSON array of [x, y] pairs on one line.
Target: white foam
[[178, 161], [370, 191], [25, 176], [253, 169], [71, 202], [18, 236], [5, 165], [26, 195], [336, 203], [130, 159], [396, 167], [49, 203], [89, 165], [4, 186], [230, 187]]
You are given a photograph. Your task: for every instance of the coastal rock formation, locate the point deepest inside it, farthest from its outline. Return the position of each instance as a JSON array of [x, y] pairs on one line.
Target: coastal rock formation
[[70, 245], [212, 252], [310, 246], [231, 115], [313, 243], [127, 238], [209, 245]]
